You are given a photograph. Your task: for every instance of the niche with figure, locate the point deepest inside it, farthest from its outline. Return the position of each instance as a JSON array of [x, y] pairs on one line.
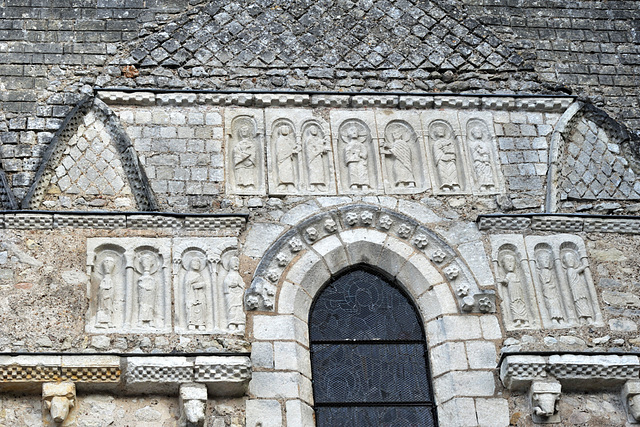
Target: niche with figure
[[448, 174], [107, 272]]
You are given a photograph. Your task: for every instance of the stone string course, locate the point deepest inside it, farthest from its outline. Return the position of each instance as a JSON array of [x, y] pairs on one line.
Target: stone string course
[[560, 224]]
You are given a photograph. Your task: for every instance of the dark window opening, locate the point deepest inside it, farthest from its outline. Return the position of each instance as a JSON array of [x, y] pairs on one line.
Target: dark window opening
[[369, 355]]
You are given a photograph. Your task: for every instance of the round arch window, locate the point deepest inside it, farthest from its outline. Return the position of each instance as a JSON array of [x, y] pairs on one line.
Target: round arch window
[[369, 355]]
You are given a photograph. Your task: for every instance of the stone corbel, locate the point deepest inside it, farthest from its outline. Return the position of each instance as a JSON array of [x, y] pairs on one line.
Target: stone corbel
[[193, 405], [59, 402], [545, 396], [631, 401]]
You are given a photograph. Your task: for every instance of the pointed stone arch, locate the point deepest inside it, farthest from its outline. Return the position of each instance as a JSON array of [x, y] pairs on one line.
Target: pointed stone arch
[[89, 125]]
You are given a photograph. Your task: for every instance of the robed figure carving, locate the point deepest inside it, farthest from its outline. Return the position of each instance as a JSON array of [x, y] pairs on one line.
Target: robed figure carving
[[445, 155], [149, 288], [233, 287], [194, 305], [398, 148], [577, 281], [544, 265], [244, 153], [287, 151], [317, 150], [515, 283], [108, 282], [478, 140], [356, 138]]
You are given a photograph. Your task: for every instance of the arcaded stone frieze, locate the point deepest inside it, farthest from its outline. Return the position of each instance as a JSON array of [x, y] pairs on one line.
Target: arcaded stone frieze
[[223, 375], [544, 281], [131, 280], [213, 224]]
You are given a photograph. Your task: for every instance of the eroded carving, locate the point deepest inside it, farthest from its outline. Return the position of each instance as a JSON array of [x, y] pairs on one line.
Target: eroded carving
[[246, 158], [109, 274], [545, 397], [196, 278], [59, 400], [631, 400], [548, 283], [193, 405], [479, 144], [577, 280], [234, 290], [317, 151], [261, 295], [149, 279], [398, 148], [286, 149], [445, 156]]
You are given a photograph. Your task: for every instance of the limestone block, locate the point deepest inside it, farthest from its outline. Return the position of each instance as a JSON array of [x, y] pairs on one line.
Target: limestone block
[[356, 151], [436, 302], [91, 371], [278, 385], [418, 211], [157, 374], [332, 252], [263, 413], [259, 237], [579, 372], [453, 328], [223, 375], [630, 396], [476, 258], [481, 354], [459, 412], [208, 289], [291, 356], [450, 356], [299, 212], [299, 153], [245, 155], [464, 384], [309, 272], [129, 285], [262, 355], [299, 414], [59, 403], [492, 412], [294, 300], [282, 327], [490, 328], [518, 371]]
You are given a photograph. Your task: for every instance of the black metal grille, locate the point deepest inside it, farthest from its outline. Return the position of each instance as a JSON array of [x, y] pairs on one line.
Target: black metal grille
[[368, 356]]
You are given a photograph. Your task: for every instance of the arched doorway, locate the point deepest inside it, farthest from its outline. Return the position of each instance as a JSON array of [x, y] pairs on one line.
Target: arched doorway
[[368, 354]]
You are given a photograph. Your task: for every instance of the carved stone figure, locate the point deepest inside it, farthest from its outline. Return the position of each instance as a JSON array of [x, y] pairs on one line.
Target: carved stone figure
[[398, 146], [104, 315], [233, 286], [444, 155], [631, 400], [549, 284], [578, 284], [244, 153], [478, 140], [544, 401], [195, 284], [513, 281], [317, 149], [355, 136], [59, 399], [287, 150], [147, 290]]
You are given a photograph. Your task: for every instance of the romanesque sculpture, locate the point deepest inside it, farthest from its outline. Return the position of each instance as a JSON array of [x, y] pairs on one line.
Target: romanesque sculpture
[[512, 279], [575, 271], [244, 152], [196, 286], [287, 151], [317, 150], [233, 286], [59, 399], [193, 405], [544, 401], [107, 283], [444, 154], [355, 136], [399, 140], [147, 264], [631, 400], [106, 290], [549, 284], [478, 142]]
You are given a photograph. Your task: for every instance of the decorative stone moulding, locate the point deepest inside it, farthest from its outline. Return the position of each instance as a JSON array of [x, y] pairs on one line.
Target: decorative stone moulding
[[309, 239], [574, 372], [221, 375], [214, 225], [544, 280], [560, 223], [129, 289], [302, 99]]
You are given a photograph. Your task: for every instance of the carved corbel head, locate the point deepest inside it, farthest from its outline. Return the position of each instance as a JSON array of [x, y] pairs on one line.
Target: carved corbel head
[[59, 399], [631, 400], [545, 397], [193, 405]]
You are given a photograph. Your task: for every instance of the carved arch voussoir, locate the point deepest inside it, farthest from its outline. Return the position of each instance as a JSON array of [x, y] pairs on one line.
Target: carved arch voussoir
[[321, 246]]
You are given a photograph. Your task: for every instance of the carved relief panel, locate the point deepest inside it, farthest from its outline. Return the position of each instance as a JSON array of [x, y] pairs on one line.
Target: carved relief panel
[[551, 275], [299, 153], [514, 282], [244, 130], [563, 281], [204, 285], [356, 153], [447, 158], [402, 153], [128, 286], [481, 151]]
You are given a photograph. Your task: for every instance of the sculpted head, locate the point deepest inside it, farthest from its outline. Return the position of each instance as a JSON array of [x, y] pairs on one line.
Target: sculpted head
[[509, 262], [569, 259], [634, 406], [59, 399], [195, 264], [147, 261], [234, 263], [544, 259], [108, 265]]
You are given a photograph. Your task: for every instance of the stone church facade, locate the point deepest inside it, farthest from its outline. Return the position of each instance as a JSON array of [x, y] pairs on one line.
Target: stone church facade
[[286, 213]]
